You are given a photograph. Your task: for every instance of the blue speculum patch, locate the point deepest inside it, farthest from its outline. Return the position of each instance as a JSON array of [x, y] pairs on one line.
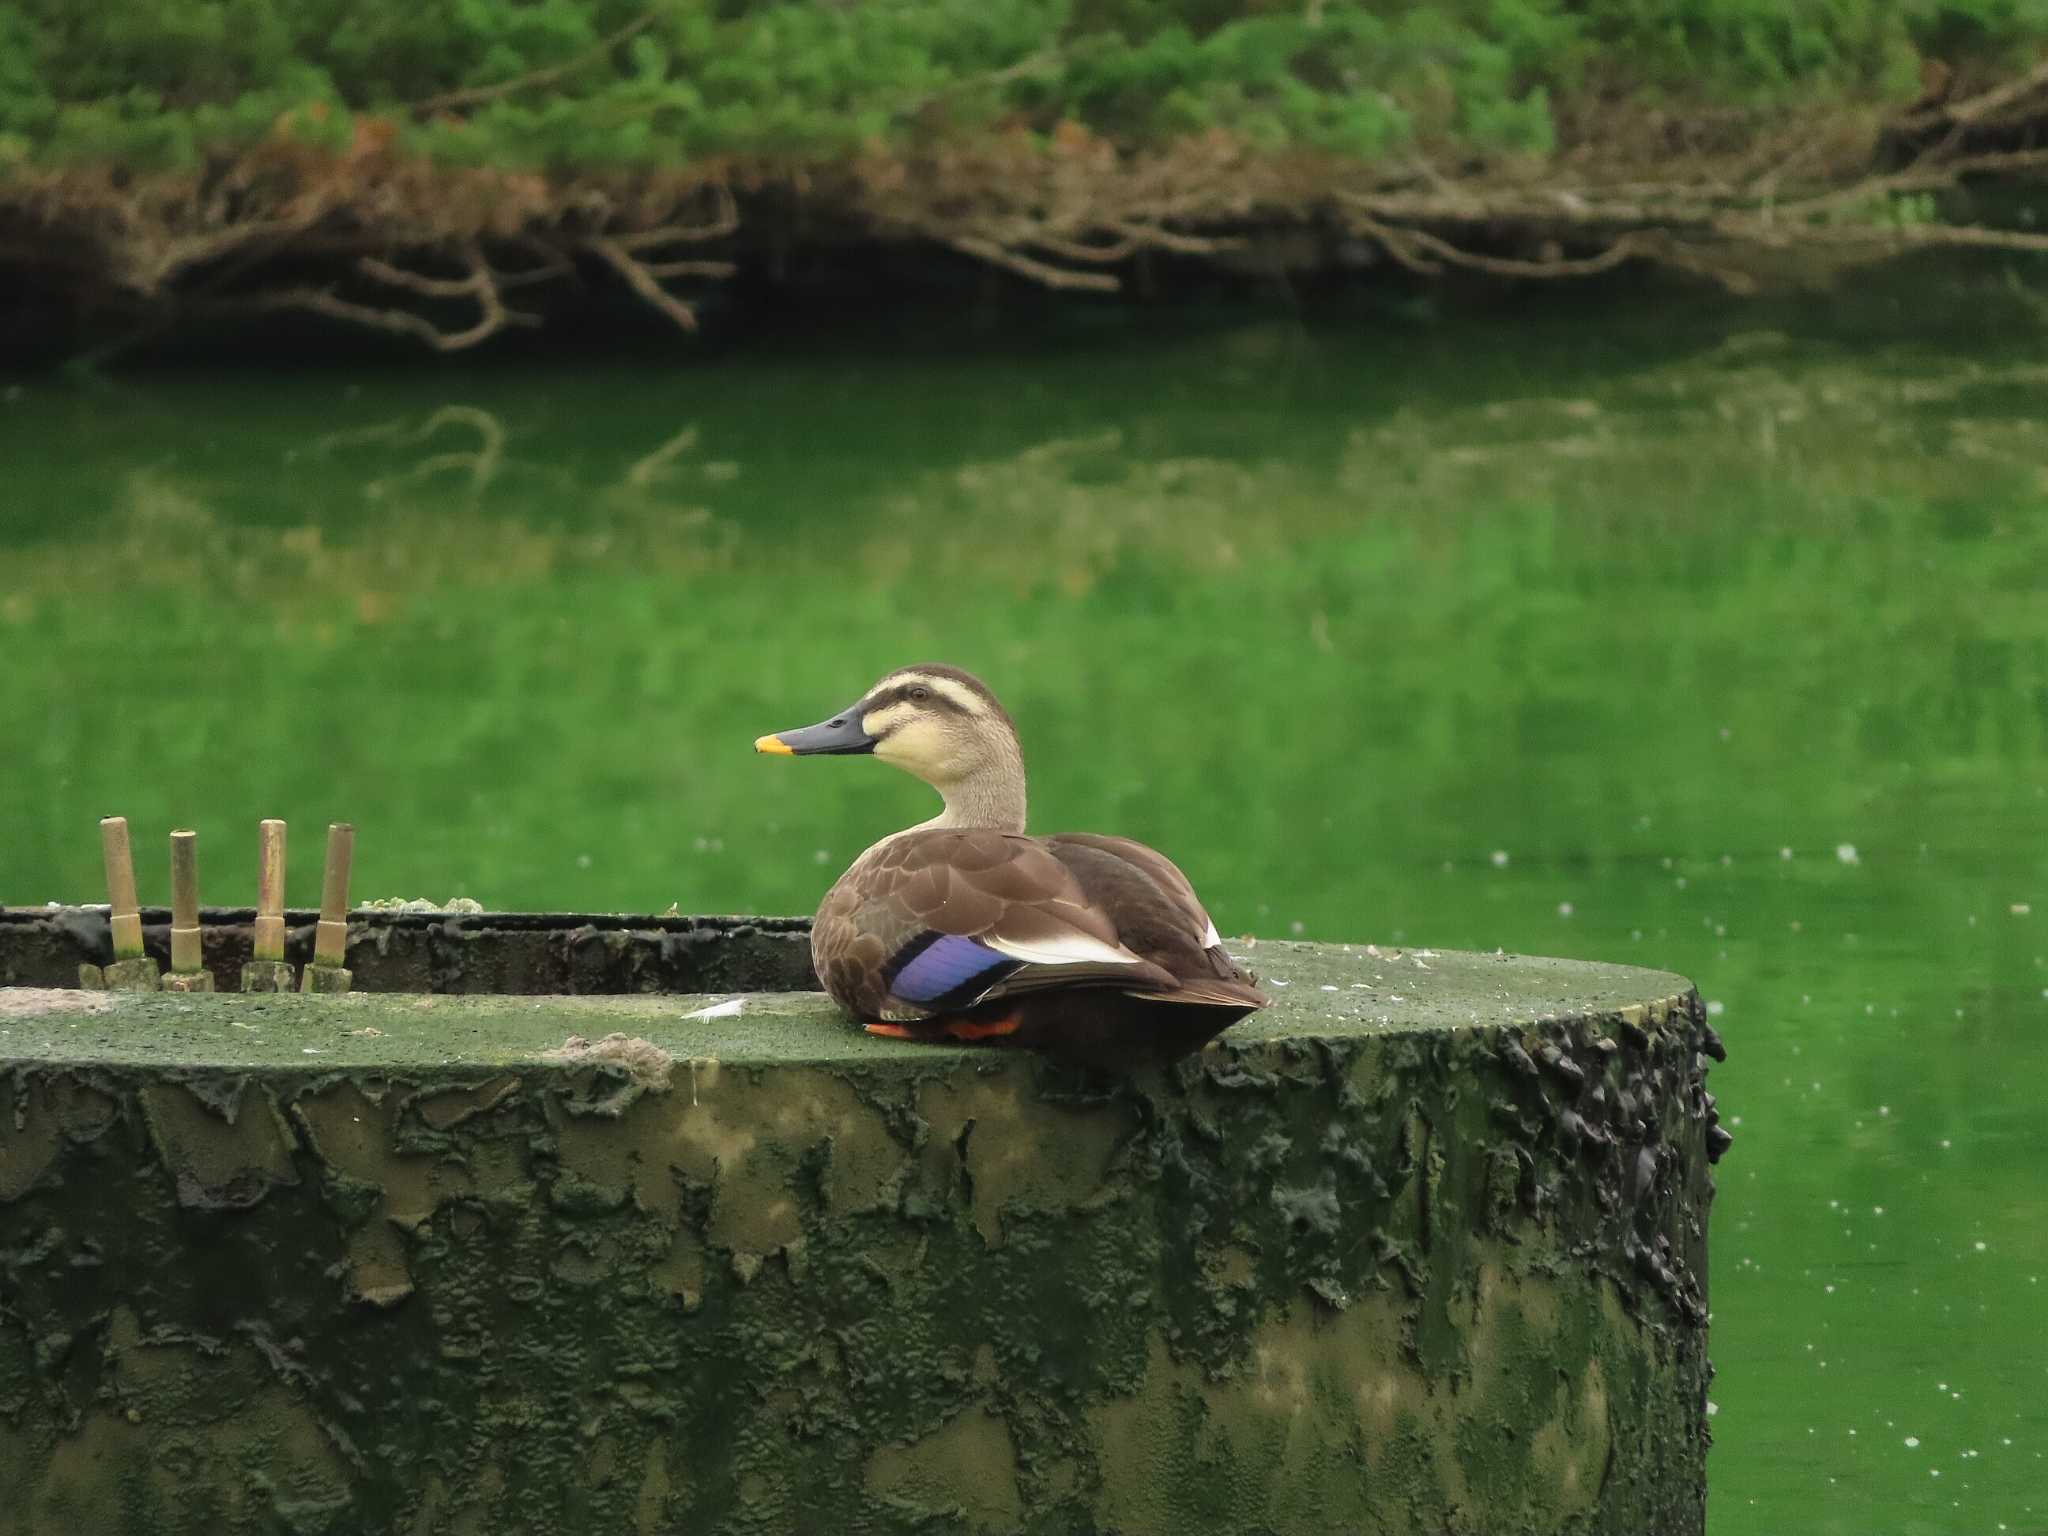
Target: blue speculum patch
[[934, 967]]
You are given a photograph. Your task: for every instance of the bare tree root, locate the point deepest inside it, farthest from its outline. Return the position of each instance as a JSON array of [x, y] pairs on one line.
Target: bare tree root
[[408, 242], [374, 238], [644, 278], [1058, 217], [998, 255], [1996, 108], [1722, 232], [480, 287]]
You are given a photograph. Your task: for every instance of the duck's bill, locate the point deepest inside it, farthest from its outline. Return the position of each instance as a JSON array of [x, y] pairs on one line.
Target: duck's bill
[[841, 734]]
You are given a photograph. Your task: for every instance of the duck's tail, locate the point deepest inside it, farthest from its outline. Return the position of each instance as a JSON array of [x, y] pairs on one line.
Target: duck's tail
[[1210, 992]]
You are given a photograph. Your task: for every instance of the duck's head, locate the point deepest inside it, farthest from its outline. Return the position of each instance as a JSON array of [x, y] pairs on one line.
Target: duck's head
[[934, 721]]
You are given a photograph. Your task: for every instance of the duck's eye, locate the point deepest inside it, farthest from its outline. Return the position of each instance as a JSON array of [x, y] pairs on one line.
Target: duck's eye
[[921, 695]]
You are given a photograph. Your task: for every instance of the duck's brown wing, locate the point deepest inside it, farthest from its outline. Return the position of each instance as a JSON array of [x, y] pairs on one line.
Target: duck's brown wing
[[1158, 915], [937, 921]]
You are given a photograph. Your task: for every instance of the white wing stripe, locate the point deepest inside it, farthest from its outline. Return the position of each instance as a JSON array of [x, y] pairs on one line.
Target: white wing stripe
[[1211, 939], [1066, 949]]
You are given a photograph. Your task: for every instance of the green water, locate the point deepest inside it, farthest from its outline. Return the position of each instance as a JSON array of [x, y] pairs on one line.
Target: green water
[[1667, 637]]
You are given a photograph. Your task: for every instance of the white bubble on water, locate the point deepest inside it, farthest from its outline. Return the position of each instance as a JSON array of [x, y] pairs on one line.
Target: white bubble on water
[[1564, 909], [1716, 1008], [1785, 853], [1500, 858], [1846, 852], [1912, 1442]]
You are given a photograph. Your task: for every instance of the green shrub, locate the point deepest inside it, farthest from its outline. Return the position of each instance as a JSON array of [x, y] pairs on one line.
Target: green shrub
[[160, 82]]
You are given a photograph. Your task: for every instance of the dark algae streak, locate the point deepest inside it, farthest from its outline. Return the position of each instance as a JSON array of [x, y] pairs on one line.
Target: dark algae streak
[[1420, 1248]]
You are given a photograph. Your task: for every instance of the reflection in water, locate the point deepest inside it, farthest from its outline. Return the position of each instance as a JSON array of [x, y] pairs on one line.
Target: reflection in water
[[480, 464], [1465, 642]]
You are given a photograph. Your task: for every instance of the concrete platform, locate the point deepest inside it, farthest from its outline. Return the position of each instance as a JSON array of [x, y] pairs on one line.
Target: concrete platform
[[1421, 1248]]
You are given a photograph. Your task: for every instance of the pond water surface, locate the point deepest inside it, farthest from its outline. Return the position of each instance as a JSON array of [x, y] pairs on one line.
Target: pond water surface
[[1700, 639]]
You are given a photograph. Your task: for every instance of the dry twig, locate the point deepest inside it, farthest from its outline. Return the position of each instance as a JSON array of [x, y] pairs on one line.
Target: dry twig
[[1982, 109], [481, 286], [724, 221], [481, 95], [1025, 266], [641, 279]]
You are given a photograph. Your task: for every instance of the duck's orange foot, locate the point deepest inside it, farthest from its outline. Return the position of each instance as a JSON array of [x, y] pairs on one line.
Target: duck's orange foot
[[965, 1029], [891, 1031]]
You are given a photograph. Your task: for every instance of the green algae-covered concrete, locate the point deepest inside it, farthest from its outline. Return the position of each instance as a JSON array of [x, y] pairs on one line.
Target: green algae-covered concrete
[[1421, 1248]]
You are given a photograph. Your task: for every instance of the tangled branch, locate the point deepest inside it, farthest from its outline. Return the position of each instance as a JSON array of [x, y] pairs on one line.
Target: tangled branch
[[1707, 231], [370, 236], [644, 279], [483, 95], [480, 286]]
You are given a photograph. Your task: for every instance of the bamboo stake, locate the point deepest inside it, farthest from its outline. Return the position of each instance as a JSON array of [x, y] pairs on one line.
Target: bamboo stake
[[127, 910], [267, 970], [132, 970], [187, 974], [327, 973]]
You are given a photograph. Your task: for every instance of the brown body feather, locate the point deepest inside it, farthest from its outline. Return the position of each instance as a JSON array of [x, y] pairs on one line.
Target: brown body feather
[[1174, 994]]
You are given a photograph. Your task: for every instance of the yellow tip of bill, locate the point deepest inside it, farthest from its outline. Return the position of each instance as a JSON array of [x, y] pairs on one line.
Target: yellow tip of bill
[[774, 744]]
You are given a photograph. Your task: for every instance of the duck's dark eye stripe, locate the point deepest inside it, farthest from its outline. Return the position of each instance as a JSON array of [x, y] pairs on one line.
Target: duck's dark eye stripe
[[907, 693]]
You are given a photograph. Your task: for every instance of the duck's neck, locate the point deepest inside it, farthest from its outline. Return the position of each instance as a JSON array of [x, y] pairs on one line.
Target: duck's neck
[[990, 798]]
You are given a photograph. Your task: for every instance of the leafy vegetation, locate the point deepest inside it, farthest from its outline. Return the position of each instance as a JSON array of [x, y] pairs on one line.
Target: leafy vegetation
[[407, 165], [624, 83]]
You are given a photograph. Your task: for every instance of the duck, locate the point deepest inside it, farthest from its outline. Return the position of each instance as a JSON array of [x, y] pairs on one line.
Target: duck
[[965, 928]]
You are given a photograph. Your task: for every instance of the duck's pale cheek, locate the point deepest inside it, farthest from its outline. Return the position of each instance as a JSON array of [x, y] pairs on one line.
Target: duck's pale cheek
[[915, 746]]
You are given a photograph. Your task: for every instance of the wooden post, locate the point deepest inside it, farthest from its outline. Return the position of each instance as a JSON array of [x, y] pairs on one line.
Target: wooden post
[[186, 973], [267, 970], [328, 972], [132, 970]]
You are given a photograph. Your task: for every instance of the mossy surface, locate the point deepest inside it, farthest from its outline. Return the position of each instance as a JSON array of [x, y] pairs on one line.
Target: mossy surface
[[1420, 1248]]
